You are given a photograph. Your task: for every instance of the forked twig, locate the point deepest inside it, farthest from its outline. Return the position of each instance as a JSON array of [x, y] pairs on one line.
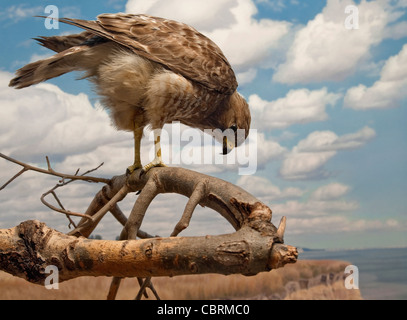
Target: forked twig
[[62, 182], [62, 210], [71, 222], [50, 171]]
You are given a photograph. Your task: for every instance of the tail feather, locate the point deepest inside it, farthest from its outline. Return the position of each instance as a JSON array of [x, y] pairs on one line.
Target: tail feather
[[46, 69], [62, 43], [72, 54]]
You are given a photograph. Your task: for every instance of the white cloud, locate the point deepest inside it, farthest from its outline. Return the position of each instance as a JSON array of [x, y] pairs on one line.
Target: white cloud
[[267, 150], [305, 165], [324, 211], [204, 154], [298, 106], [249, 42], [16, 13], [330, 191], [295, 208], [387, 92], [43, 120], [397, 30], [320, 141], [325, 202], [338, 224], [246, 76], [19, 12], [307, 159], [401, 3], [324, 50], [263, 189], [246, 42], [203, 15]]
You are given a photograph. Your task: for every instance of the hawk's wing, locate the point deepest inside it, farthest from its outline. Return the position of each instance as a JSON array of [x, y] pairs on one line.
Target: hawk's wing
[[175, 45]]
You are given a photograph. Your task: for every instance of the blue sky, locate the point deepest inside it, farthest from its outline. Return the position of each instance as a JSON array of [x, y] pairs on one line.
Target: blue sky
[[328, 104]]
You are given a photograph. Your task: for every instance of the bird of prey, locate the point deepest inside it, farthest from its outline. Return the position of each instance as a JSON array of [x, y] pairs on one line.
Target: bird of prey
[[149, 71]]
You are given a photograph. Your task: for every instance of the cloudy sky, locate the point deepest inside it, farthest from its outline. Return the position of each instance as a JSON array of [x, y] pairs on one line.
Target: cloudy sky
[[326, 84]]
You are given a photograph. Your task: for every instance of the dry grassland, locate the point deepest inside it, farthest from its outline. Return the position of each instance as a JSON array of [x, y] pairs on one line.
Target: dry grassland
[[202, 287]]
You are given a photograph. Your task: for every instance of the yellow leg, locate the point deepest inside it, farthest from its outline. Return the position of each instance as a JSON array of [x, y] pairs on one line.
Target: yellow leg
[[138, 134], [157, 162]]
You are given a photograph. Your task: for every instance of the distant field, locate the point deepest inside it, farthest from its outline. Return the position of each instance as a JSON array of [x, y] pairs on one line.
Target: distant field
[[202, 287]]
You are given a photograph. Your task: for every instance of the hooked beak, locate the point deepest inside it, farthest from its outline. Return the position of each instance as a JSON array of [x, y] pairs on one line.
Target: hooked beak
[[227, 145]]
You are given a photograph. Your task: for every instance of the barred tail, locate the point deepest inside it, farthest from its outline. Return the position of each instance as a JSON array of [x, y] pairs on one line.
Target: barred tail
[[46, 69]]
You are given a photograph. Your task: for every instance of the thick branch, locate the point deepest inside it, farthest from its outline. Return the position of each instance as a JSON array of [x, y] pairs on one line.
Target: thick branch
[[231, 201], [26, 250]]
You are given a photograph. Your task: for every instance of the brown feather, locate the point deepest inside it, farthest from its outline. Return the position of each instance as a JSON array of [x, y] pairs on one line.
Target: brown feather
[[62, 43], [46, 69], [175, 45]]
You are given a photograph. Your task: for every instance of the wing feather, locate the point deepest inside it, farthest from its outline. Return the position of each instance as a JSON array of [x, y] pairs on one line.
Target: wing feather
[[175, 45]]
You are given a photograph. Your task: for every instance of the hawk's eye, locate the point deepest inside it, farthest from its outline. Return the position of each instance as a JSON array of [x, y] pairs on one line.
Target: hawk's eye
[[233, 127]]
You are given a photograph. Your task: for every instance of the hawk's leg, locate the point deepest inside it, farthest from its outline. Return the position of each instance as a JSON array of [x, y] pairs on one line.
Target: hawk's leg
[[157, 162], [138, 134]]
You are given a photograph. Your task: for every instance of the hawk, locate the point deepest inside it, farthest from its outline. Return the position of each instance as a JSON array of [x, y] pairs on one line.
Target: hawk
[[149, 71]]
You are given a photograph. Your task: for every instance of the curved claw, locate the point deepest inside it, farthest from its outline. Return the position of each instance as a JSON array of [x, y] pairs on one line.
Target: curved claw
[[152, 164], [132, 168]]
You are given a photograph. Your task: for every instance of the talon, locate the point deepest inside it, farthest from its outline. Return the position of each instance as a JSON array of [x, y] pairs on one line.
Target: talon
[[132, 168], [153, 164]]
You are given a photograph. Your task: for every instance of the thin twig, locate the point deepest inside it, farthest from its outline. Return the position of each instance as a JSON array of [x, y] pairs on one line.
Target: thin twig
[[13, 178], [95, 218], [62, 182], [154, 292], [91, 170], [114, 287], [68, 213], [71, 222], [52, 172], [143, 285]]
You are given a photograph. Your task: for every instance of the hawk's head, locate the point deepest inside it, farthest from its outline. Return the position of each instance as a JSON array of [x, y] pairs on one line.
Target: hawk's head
[[234, 123]]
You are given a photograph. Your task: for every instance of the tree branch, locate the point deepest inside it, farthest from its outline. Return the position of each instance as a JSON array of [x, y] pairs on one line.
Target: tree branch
[[231, 201], [50, 171], [26, 250]]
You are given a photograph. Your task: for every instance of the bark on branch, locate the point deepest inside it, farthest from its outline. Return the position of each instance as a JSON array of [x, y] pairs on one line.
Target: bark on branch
[[27, 249]]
